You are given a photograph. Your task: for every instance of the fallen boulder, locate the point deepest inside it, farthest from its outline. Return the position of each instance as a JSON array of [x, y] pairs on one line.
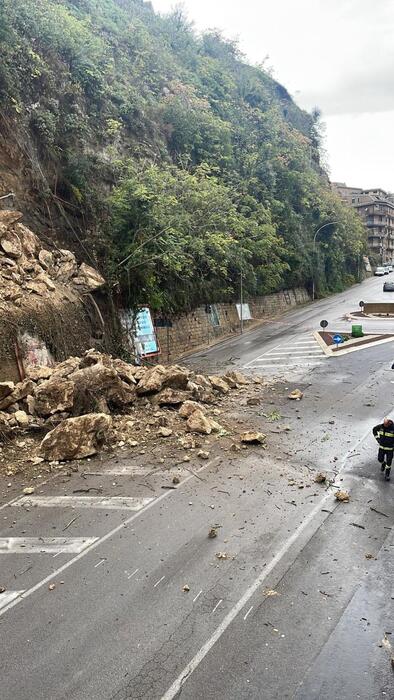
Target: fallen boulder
[[295, 395], [199, 423], [169, 397], [236, 377], [188, 407], [218, 384], [6, 388], [88, 279], [253, 438], [151, 381], [76, 438], [21, 390], [53, 396]]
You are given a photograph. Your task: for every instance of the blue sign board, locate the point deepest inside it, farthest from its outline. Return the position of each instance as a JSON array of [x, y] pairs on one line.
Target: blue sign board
[[144, 334], [337, 339]]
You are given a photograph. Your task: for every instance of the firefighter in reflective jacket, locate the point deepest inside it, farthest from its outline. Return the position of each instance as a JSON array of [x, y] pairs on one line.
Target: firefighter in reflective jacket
[[384, 434]]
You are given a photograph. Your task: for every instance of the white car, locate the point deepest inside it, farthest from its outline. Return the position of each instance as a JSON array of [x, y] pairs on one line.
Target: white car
[[390, 267], [379, 272], [386, 269]]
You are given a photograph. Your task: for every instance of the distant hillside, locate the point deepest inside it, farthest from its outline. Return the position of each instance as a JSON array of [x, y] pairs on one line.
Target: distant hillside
[[133, 138]]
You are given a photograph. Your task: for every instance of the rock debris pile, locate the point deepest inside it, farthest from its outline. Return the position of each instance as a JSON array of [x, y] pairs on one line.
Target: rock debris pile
[[27, 269], [87, 402]]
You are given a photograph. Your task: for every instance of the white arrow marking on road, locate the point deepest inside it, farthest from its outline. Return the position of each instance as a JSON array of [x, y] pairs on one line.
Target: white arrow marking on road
[[104, 502], [44, 545]]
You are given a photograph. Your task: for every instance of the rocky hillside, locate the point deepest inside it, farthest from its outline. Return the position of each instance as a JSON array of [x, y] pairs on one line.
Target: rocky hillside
[[162, 156]]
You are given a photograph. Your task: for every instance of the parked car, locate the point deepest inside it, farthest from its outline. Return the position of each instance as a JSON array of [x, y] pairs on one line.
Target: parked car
[[390, 268], [388, 287], [379, 272], [386, 269]]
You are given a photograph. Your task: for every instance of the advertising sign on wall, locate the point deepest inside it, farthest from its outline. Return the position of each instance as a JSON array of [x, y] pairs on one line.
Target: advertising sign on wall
[[141, 331]]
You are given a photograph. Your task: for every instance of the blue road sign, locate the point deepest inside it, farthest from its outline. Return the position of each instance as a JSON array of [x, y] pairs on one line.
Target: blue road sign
[[337, 339]]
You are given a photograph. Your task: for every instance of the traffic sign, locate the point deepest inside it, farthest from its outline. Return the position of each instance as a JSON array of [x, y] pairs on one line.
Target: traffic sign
[[324, 324], [337, 339], [361, 304]]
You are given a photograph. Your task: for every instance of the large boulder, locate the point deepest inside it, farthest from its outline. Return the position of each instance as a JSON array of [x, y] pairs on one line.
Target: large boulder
[[218, 384], [6, 388], [125, 371], [66, 267], [54, 396], [97, 382], [64, 369], [199, 423], [236, 377], [29, 241], [21, 390], [76, 438], [170, 397], [88, 279], [176, 377], [11, 244], [152, 380], [188, 408]]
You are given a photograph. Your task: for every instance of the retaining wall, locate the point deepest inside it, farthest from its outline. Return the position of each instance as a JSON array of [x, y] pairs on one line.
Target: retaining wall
[[201, 327]]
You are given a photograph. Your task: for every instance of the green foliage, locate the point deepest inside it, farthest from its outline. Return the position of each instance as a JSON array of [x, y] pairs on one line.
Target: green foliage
[[179, 155]]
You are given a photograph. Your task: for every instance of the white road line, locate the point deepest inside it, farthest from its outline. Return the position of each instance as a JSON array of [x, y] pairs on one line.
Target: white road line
[[104, 502], [99, 563], [197, 596], [294, 352], [44, 545], [159, 581], [232, 614], [248, 613], [217, 605], [25, 594], [9, 597], [133, 574]]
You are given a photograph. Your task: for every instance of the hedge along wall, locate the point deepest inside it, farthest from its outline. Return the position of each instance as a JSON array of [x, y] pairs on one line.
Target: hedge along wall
[[198, 328]]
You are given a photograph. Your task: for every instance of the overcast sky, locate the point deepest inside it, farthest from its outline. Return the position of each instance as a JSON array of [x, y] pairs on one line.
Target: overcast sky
[[334, 54]]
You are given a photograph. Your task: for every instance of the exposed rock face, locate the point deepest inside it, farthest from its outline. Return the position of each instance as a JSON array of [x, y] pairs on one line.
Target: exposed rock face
[[26, 266], [76, 438], [88, 279], [54, 396]]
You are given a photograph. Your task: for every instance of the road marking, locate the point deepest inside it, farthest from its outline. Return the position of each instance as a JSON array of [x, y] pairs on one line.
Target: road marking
[[9, 597], [99, 563], [104, 538], [176, 687], [197, 596], [248, 613], [105, 502], [133, 574], [217, 605], [44, 545], [159, 581]]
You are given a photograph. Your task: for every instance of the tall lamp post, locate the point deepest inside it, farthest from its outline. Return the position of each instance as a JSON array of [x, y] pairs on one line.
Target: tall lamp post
[[329, 223]]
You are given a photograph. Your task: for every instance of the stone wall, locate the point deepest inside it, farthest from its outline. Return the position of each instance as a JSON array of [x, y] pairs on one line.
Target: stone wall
[[199, 327]]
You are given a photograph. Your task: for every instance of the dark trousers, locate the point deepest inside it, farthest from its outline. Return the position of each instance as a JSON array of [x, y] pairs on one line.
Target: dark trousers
[[385, 456]]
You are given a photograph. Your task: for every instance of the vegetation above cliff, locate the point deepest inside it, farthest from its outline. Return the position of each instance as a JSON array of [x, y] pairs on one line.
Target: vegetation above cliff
[[178, 164]]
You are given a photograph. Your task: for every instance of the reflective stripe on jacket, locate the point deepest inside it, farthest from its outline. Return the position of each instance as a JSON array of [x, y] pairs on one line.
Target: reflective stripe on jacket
[[385, 435]]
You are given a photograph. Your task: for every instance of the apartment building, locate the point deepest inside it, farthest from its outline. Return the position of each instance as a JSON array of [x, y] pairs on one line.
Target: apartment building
[[376, 208]]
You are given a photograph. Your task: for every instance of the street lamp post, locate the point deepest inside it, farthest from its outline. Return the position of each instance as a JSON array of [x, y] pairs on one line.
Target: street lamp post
[[329, 223]]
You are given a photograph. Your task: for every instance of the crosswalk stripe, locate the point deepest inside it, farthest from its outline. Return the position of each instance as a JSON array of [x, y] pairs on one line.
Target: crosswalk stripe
[[44, 545], [8, 597], [104, 502]]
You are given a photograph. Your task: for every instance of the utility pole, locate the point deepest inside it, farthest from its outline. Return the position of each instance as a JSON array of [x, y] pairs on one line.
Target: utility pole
[[242, 303]]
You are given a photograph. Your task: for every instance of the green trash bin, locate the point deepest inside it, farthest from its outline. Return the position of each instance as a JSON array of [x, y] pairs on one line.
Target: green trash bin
[[357, 332]]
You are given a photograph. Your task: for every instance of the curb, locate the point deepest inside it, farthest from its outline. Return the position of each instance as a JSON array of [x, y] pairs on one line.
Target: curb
[[327, 350]]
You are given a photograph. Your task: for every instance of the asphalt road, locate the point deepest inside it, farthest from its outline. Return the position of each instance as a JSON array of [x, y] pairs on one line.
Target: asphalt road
[[95, 606]]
